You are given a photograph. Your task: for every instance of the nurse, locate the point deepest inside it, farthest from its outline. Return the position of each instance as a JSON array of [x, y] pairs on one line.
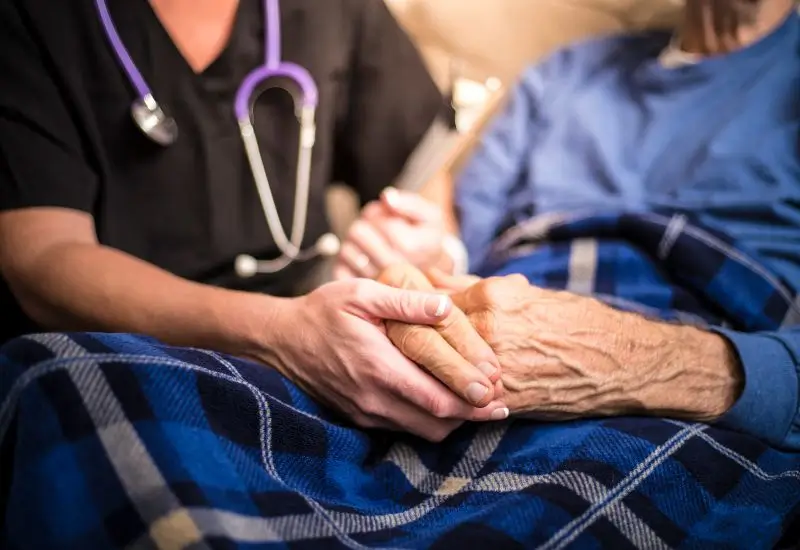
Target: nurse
[[103, 228]]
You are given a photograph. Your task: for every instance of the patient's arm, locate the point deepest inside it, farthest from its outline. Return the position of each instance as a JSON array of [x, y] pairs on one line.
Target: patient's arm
[[565, 356], [440, 191]]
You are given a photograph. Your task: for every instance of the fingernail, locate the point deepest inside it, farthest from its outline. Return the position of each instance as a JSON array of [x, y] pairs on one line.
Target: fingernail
[[391, 195], [500, 414], [435, 306], [476, 392], [487, 368]]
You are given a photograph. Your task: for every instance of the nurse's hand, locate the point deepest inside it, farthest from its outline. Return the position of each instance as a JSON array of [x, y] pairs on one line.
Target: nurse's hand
[[333, 344], [401, 227]]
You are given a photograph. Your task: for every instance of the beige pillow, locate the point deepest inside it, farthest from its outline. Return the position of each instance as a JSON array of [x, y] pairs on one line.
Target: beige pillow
[[499, 37]]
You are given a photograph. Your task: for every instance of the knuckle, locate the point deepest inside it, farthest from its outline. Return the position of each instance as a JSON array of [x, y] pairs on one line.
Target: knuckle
[[375, 214], [486, 289], [370, 406], [415, 340], [355, 229], [360, 290], [349, 249], [437, 407], [455, 320], [404, 337], [494, 289], [323, 296], [405, 307], [353, 235], [364, 421], [518, 280], [394, 275], [402, 386], [359, 227]]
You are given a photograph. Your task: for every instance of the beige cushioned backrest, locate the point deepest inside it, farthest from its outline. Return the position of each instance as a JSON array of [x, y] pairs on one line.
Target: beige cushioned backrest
[[499, 37]]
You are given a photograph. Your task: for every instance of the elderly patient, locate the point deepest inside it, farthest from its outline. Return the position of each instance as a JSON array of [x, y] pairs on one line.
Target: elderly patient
[[633, 225], [660, 175]]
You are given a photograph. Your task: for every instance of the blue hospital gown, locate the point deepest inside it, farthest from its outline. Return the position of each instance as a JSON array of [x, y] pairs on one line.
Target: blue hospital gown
[[605, 125]]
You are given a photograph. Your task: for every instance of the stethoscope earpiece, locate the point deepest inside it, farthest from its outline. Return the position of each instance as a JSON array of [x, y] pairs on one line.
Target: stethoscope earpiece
[[246, 266], [328, 245]]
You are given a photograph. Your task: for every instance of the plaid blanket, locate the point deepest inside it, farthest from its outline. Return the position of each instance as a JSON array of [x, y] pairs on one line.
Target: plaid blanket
[[665, 266], [110, 441]]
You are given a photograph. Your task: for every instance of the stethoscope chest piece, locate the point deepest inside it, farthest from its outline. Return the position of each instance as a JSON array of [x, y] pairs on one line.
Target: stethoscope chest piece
[[154, 123]]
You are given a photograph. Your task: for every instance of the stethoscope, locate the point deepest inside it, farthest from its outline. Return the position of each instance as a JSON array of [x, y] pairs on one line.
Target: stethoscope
[[162, 129]]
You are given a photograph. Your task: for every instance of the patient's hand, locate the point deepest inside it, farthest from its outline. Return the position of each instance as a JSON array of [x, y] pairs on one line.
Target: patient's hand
[[564, 355], [452, 350]]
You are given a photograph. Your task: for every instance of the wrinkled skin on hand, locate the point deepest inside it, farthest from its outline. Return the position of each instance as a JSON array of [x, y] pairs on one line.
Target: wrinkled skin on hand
[[451, 350], [564, 356], [558, 351]]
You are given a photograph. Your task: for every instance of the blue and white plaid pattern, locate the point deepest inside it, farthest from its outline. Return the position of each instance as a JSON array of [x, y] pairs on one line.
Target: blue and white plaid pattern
[[110, 441], [659, 265]]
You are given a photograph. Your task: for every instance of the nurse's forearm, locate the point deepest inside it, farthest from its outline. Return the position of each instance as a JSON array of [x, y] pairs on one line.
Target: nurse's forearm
[[87, 287]]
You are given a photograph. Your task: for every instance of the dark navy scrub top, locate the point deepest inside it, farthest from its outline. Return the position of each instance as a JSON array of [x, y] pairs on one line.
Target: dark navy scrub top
[[67, 138]]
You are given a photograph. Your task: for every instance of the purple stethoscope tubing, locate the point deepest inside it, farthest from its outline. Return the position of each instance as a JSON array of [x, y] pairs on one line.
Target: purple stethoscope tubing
[[274, 67], [134, 76], [162, 129]]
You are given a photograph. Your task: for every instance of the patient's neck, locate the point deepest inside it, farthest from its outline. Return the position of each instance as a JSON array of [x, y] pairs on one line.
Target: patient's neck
[[713, 27]]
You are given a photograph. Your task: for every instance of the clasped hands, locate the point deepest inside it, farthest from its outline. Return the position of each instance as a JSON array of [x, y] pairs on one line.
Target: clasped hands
[[564, 356], [396, 355]]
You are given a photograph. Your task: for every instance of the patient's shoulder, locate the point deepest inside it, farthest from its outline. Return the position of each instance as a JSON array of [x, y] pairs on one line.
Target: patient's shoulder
[[583, 59]]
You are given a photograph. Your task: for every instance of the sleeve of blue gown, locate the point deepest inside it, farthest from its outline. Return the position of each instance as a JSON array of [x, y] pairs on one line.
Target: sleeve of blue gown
[[769, 406], [498, 162]]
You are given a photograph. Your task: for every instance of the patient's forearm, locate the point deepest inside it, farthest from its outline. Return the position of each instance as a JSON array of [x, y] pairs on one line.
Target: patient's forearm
[[440, 191], [621, 364], [441, 188], [685, 372]]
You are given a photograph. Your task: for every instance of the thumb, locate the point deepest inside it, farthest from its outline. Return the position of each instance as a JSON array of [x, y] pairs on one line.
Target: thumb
[[414, 307], [411, 206]]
